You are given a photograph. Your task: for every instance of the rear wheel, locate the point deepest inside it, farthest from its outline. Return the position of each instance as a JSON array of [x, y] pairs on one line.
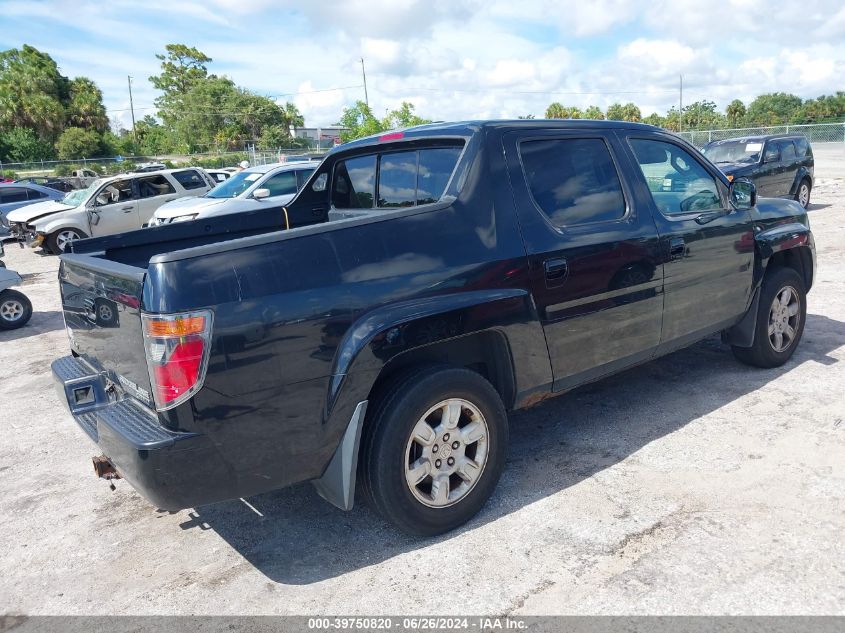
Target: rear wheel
[[57, 242], [434, 449], [15, 309], [803, 193], [780, 320]]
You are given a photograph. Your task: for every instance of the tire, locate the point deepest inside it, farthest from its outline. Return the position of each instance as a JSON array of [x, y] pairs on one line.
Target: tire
[[471, 460], [15, 309], [766, 352], [802, 195], [57, 240]]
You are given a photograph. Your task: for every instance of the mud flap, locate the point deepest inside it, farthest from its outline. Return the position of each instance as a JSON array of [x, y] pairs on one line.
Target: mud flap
[[742, 334], [337, 485]]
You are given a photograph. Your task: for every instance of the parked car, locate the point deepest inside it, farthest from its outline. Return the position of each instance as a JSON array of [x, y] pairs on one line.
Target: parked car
[[432, 280], [15, 195], [246, 190], [779, 165], [15, 307], [218, 175], [58, 184], [109, 205], [82, 178]]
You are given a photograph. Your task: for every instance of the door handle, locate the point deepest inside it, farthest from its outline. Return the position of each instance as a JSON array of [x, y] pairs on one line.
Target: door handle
[[677, 248], [318, 212], [556, 271], [127, 209]]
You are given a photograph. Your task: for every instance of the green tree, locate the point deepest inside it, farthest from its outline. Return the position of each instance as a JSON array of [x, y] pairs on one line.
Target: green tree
[[701, 115], [403, 117], [22, 145], [774, 108], [594, 112], [85, 108], [32, 92], [359, 121], [76, 142], [655, 119], [631, 113], [735, 111], [293, 115], [615, 112], [275, 137], [555, 111], [182, 68]]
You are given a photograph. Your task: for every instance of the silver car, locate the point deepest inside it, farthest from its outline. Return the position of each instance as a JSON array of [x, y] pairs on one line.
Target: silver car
[[247, 190]]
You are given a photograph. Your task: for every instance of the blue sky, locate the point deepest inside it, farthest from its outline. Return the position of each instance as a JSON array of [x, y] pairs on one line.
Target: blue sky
[[453, 59]]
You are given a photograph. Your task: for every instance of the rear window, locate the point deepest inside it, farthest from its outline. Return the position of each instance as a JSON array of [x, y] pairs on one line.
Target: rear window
[[13, 194], [405, 179], [573, 181], [190, 179]]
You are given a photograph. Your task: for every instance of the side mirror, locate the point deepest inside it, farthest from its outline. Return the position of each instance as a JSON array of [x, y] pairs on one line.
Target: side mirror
[[260, 194], [743, 193]]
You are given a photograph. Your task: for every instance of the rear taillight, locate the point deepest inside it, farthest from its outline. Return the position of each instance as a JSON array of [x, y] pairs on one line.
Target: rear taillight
[[177, 347]]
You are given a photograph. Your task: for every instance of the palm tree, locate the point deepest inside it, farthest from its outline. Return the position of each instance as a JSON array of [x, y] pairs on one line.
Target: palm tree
[[735, 110], [594, 112], [556, 111]]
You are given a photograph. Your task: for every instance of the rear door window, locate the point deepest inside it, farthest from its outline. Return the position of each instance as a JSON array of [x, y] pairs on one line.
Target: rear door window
[[802, 145], [435, 170], [152, 186], [573, 181], [190, 179], [13, 194], [787, 151], [354, 183], [398, 180]]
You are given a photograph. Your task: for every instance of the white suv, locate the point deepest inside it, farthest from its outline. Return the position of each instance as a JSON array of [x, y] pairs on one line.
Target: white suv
[[109, 205], [247, 190]]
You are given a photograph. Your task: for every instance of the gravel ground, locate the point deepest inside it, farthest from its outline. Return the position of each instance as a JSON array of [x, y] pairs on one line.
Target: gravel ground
[[690, 485]]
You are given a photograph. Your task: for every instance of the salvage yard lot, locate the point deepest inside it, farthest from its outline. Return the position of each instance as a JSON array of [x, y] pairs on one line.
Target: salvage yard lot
[[692, 484]]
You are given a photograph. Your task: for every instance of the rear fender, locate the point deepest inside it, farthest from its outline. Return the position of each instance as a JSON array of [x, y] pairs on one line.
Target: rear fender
[[800, 175]]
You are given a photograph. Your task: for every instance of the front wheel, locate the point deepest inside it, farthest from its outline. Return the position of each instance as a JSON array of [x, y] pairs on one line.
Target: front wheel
[[434, 449], [58, 241], [15, 309], [780, 320]]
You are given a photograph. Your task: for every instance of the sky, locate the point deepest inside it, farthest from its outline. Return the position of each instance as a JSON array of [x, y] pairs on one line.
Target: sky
[[454, 59]]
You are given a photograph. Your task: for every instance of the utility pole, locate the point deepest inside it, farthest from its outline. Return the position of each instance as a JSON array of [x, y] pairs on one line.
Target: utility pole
[[364, 74], [681, 106], [132, 109]]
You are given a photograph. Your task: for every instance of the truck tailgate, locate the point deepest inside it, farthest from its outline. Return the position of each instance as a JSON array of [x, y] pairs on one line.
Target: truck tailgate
[[101, 301]]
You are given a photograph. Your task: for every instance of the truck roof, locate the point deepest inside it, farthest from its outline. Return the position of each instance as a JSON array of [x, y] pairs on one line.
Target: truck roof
[[467, 128]]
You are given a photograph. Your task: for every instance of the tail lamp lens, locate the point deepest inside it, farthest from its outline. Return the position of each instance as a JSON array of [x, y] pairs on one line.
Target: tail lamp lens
[[177, 348]]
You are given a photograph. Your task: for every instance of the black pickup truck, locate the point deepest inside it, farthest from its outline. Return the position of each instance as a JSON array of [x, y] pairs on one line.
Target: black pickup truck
[[376, 331]]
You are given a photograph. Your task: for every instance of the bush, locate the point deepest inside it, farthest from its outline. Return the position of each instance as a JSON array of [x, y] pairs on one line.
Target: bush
[[76, 142], [8, 173]]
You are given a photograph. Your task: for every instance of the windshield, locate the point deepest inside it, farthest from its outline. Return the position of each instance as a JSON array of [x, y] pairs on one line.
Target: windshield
[[734, 152], [235, 185], [75, 198]]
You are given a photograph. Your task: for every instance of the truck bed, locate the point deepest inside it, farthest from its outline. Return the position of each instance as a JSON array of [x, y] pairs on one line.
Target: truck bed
[[136, 248]]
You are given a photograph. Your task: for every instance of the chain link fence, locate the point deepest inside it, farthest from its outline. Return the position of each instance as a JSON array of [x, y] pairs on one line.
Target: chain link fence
[[816, 133], [115, 165]]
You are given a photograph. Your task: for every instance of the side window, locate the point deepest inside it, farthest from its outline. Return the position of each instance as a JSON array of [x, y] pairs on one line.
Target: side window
[[436, 167], [772, 153], [13, 194], [801, 146], [35, 195], [114, 192], [354, 183], [190, 179], [787, 151], [397, 184], [152, 186], [574, 181], [302, 176], [282, 184], [677, 181]]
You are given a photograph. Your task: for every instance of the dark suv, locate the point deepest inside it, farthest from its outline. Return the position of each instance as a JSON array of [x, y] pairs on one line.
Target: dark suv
[[779, 166]]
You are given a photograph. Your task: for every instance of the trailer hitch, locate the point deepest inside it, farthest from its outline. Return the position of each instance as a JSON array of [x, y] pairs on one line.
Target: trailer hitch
[[105, 469]]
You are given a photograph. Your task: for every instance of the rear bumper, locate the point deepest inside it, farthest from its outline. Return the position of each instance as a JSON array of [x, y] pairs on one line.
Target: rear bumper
[[172, 470]]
